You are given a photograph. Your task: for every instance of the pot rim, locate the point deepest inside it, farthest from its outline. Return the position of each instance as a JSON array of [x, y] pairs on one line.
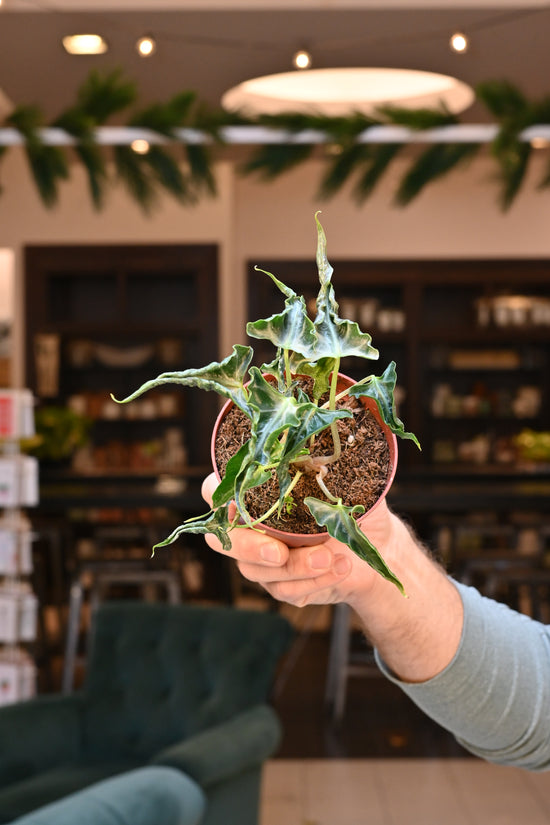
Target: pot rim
[[303, 539]]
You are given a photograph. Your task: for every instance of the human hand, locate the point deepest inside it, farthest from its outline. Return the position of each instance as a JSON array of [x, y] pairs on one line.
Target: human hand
[[324, 573]]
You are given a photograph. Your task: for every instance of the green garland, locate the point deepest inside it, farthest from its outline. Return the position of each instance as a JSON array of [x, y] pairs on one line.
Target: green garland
[[102, 97]]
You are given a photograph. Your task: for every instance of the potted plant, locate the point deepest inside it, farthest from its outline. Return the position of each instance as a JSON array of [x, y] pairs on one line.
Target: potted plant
[[299, 447]]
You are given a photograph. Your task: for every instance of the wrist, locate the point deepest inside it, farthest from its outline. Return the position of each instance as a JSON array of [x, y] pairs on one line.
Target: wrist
[[417, 635]]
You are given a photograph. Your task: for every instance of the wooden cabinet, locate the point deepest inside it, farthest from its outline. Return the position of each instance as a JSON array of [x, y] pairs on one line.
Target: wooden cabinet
[[471, 340], [103, 320]]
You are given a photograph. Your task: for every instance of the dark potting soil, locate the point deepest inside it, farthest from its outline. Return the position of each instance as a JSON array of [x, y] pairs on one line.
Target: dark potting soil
[[357, 477]]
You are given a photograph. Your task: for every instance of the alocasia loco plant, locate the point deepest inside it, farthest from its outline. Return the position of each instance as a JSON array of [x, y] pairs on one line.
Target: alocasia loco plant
[[285, 421]]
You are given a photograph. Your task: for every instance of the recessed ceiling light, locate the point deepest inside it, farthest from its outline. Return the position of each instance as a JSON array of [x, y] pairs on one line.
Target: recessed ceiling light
[[459, 42], [146, 46], [85, 44]]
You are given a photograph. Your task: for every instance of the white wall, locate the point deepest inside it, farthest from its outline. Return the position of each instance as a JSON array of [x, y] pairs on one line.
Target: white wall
[[458, 217]]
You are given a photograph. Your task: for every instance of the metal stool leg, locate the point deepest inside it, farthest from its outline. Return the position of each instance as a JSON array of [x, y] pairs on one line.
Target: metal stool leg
[[337, 672], [73, 629]]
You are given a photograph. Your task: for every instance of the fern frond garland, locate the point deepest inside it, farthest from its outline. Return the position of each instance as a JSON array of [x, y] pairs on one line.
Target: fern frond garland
[[351, 159]]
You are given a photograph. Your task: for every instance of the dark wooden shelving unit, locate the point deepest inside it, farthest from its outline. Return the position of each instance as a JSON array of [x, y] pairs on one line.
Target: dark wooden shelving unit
[[439, 300]]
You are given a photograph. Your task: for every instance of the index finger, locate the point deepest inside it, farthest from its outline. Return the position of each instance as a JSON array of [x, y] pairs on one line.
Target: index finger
[[252, 546]]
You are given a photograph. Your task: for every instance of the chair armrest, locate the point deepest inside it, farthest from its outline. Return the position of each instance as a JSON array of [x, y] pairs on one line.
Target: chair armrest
[[41, 732], [227, 749], [146, 796]]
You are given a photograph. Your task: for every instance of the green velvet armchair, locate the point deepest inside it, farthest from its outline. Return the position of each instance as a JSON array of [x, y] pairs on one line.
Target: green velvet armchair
[[146, 796], [181, 686]]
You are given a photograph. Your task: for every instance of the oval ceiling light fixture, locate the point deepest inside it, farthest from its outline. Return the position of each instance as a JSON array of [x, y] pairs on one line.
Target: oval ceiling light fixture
[[459, 43], [340, 92], [146, 46], [85, 44]]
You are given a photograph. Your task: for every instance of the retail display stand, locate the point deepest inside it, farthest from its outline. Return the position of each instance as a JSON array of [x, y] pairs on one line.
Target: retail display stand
[[18, 603]]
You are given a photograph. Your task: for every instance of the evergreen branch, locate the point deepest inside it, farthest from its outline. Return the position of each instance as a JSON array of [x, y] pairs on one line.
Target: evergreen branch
[[47, 163], [167, 173], [102, 96], [417, 119], [132, 172], [343, 166], [200, 166], [503, 99], [272, 160], [432, 164], [380, 159]]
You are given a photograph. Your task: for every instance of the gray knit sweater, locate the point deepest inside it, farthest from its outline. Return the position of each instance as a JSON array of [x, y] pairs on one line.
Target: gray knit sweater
[[495, 694]]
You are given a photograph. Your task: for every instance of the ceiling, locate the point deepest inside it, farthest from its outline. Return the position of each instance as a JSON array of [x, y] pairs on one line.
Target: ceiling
[[213, 48]]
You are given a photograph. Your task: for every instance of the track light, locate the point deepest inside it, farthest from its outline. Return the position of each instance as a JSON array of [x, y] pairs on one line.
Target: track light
[[459, 42], [302, 59], [146, 46]]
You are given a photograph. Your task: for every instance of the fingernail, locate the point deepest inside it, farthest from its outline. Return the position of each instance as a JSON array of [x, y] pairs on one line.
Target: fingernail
[[320, 559], [341, 565], [270, 552]]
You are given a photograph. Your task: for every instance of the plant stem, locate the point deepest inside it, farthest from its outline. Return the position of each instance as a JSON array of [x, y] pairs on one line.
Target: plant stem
[[319, 478], [288, 373], [332, 406], [274, 506]]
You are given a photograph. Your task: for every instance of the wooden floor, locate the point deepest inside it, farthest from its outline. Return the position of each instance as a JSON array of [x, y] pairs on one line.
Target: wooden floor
[[379, 720], [402, 792]]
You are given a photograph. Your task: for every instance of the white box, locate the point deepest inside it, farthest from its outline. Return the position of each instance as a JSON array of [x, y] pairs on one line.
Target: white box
[[17, 677], [18, 614], [18, 481]]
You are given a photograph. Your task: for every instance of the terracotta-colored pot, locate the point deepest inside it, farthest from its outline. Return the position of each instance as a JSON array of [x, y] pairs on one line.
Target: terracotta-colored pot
[[302, 539]]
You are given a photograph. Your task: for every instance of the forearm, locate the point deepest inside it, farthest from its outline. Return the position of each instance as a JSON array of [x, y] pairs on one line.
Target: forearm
[[417, 636], [494, 695]]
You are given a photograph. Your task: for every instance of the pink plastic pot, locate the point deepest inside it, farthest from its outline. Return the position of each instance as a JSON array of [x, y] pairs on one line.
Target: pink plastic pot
[[302, 539]]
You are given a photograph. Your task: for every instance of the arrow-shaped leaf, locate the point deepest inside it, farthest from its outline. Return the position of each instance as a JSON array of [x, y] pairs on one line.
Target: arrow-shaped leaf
[[291, 329], [336, 338], [341, 525], [226, 377], [216, 522], [381, 389]]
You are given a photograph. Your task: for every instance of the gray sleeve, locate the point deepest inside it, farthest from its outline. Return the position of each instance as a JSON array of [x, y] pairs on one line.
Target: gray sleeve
[[495, 694]]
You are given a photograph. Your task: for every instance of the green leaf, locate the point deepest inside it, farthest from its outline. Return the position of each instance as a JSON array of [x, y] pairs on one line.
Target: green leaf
[[341, 525], [336, 338], [215, 522], [227, 378], [274, 412], [225, 491], [313, 420], [291, 329], [382, 389], [251, 475], [320, 371]]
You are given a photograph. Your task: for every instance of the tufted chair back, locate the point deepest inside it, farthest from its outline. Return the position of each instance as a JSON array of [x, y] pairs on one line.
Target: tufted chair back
[[158, 673]]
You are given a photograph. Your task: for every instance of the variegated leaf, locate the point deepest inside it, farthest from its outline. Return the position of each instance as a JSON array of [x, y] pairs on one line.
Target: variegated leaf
[[341, 525], [226, 377], [382, 389]]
